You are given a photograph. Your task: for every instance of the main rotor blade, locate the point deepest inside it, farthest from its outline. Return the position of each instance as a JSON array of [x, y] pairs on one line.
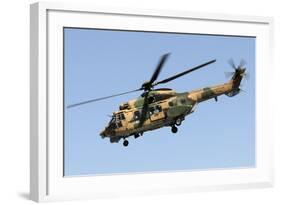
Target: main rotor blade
[[159, 67], [183, 73], [144, 109], [102, 98]]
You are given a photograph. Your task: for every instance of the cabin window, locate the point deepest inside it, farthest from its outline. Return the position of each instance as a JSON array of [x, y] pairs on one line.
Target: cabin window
[[171, 104], [158, 108], [155, 109], [137, 115], [151, 110]]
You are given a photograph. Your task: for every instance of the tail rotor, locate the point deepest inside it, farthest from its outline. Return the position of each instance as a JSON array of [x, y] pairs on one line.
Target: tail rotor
[[236, 76], [240, 69]]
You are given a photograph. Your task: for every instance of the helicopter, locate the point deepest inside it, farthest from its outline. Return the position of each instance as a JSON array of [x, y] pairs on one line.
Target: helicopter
[[162, 107]]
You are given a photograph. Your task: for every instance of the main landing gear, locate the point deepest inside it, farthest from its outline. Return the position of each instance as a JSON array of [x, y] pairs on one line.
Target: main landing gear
[[174, 129], [136, 135], [178, 122]]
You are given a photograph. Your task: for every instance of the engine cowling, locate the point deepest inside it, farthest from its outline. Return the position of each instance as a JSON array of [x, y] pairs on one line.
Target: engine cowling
[[124, 106]]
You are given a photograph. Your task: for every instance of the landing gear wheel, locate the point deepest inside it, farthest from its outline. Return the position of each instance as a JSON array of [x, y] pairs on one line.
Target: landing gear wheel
[[174, 129], [125, 143], [178, 121]]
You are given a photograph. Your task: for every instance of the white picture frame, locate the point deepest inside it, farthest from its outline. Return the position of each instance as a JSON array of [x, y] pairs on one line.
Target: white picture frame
[[46, 179]]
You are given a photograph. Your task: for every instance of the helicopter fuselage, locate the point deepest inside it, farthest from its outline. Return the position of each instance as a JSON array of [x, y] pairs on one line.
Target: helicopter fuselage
[[165, 107]]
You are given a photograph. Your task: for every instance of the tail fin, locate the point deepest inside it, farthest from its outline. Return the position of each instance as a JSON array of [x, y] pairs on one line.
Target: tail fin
[[235, 81]]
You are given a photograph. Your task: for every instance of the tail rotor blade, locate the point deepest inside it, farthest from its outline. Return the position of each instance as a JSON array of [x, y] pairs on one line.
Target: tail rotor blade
[[232, 64], [228, 74], [242, 91], [247, 76], [242, 63]]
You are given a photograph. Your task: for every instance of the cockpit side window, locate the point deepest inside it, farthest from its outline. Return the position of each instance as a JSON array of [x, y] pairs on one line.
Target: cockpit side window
[[119, 124], [112, 125], [122, 116], [115, 122]]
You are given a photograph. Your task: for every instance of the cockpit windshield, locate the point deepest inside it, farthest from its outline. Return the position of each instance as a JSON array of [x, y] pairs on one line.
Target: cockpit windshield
[[113, 119], [116, 121]]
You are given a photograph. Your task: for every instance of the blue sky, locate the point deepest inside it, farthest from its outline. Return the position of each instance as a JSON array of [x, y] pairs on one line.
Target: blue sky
[[102, 62]]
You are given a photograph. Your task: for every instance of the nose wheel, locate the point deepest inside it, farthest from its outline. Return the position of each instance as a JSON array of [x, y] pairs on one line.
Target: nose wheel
[[125, 143]]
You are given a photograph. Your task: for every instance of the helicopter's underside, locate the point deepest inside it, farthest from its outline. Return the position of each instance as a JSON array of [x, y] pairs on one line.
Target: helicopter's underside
[[139, 131]]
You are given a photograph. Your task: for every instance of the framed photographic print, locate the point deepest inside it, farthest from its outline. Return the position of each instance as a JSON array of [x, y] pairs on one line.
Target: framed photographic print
[[131, 102]]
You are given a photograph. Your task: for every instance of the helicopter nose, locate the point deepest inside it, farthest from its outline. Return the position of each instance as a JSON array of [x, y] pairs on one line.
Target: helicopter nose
[[103, 133]]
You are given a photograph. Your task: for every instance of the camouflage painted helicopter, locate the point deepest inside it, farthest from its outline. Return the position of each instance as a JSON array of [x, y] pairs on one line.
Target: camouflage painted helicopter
[[156, 108]]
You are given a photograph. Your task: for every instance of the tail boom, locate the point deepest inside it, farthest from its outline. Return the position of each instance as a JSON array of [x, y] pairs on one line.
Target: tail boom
[[210, 92]]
